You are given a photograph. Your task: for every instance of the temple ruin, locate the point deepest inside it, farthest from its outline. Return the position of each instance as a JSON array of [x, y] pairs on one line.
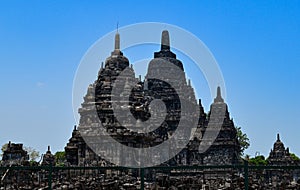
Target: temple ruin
[[224, 150], [97, 110]]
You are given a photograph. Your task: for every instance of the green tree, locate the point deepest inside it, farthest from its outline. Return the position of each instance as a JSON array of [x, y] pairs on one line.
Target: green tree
[[258, 160], [243, 139], [33, 154], [3, 148], [295, 157], [60, 157]]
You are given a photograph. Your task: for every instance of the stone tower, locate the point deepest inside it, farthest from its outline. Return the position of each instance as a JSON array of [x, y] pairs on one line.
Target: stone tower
[[99, 99], [225, 149]]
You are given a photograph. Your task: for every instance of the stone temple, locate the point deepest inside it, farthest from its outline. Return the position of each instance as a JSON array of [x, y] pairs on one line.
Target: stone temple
[[224, 150], [202, 148], [14, 154], [279, 155]]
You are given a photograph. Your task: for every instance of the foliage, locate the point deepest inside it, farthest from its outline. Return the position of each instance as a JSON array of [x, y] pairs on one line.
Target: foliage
[[33, 163], [33, 154], [295, 157], [258, 160], [3, 148], [243, 139], [60, 157]]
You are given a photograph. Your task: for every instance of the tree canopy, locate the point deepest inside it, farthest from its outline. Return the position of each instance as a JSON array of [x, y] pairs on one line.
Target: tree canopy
[[3, 148], [258, 160], [60, 157], [243, 139], [294, 157], [33, 154]]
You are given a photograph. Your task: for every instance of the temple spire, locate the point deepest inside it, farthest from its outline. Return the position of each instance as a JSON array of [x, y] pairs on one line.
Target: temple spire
[[117, 41], [117, 45], [165, 50], [48, 150], [219, 96], [165, 40], [278, 137]]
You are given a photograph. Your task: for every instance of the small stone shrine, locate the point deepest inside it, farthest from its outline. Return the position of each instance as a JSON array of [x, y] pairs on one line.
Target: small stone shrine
[[48, 158], [14, 154]]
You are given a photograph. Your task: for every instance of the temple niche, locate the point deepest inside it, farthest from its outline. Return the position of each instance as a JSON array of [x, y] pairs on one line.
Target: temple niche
[[98, 99]]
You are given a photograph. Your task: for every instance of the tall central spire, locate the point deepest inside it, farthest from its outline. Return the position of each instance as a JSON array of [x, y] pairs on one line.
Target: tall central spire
[[165, 50], [165, 40], [117, 41], [117, 50], [219, 96]]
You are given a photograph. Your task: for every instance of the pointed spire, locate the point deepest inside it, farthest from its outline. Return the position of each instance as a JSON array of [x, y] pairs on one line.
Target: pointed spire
[[117, 41], [117, 45], [74, 127], [48, 150], [165, 48], [219, 91], [219, 96], [165, 40], [102, 65], [278, 137]]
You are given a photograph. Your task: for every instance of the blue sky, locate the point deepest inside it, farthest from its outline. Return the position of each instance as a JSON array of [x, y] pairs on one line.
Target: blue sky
[[256, 45]]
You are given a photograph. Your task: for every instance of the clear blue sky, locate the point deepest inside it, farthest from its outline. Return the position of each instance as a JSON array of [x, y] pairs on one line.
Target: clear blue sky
[[257, 46]]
